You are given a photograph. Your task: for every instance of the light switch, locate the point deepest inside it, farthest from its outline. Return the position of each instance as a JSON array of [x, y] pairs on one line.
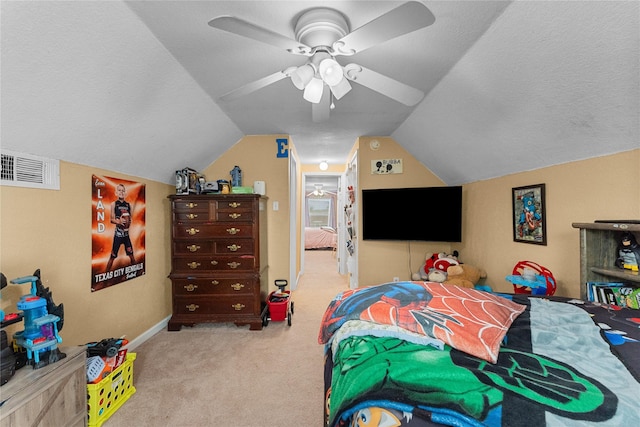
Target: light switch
[[276, 206]]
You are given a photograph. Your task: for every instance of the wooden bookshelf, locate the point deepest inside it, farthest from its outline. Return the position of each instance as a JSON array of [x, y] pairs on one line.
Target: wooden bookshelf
[[599, 251]]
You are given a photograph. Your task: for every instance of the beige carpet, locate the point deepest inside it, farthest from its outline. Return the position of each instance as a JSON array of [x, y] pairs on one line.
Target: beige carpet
[[224, 375]]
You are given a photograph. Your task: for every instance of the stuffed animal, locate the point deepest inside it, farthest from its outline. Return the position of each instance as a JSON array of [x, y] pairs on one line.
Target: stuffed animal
[[436, 275], [435, 267], [464, 275]]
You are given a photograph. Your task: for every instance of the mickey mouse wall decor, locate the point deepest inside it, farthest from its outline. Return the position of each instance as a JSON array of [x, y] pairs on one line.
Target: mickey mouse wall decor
[[386, 166]]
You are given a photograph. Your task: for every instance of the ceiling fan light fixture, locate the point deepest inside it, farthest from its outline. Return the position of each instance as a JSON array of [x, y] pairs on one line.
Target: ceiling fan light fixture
[[331, 72], [341, 89], [303, 75], [324, 165], [313, 91]]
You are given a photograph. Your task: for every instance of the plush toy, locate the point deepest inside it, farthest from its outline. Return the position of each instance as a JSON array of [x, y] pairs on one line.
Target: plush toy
[[435, 267], [464, 275]]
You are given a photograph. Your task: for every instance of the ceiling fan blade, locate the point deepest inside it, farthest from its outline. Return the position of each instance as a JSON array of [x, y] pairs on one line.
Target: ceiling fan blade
[[253, 86], [320, 111], [402, 20], [387, 86], [246, 29]]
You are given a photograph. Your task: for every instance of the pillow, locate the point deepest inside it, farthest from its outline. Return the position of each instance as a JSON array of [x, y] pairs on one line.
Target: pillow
[[329, 229], [471, 321]]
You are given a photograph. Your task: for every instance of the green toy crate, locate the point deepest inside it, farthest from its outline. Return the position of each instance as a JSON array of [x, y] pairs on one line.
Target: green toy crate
[[105, 397]]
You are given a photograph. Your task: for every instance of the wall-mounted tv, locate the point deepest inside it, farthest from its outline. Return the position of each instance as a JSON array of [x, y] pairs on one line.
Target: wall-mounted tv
[[432, 214]]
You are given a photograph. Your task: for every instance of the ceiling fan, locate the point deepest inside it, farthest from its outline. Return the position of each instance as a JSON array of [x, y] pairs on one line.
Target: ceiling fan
[[322, 34], [319, 191]]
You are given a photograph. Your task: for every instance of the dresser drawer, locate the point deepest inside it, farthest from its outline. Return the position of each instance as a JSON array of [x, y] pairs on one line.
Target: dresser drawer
[[194, 206], [203, 231], [235, 247], [234, 205], [245, 263], [194, 247], [191, 217], [217, 247], [214, 286], [235, 215], [237, 305]]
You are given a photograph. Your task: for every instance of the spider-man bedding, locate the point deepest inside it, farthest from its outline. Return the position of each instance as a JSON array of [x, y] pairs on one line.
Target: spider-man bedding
[[421, 353]]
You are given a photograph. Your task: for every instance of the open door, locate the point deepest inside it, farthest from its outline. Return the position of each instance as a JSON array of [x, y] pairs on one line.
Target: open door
[[321, 212]]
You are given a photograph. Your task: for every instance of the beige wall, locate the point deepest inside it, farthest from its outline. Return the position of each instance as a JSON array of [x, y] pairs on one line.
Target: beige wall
[[382, 261], [256, 157], [51, 230], [583, 191]]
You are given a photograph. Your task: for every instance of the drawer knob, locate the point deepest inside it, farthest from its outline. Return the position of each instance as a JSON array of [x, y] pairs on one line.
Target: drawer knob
[[237, 286], [193, 248], [233, 230], [234, 204], [234, 247], [192, 231], [192, 216], [192, 205], [215, 282], [235, 215], [238, 307], [233, 264], [190, 287], [214, 262], [192, 307], [193, 265]]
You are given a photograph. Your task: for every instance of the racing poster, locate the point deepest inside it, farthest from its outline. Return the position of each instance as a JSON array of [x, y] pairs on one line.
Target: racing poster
[[117, 231]]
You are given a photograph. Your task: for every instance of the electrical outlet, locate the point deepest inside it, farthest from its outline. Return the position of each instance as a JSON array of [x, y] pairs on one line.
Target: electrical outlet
[[396, 279]]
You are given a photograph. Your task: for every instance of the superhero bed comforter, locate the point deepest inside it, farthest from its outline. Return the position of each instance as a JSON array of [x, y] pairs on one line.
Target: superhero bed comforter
[[422, 353]]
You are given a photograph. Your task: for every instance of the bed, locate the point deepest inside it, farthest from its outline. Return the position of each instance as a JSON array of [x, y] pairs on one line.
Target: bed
[[320, 238], [423, 354]]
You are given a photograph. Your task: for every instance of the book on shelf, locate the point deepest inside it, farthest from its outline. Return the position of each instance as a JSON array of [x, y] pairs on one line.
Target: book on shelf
[[614, 293]]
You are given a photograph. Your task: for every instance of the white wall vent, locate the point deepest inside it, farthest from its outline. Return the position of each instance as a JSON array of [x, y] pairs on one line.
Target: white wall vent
[[27, 170]]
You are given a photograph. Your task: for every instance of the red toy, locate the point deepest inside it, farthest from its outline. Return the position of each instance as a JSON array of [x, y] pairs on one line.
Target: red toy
[[531, 278], [279, 305]]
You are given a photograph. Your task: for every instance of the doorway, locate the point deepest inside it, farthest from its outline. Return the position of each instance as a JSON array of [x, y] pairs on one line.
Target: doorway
[[321, 219]]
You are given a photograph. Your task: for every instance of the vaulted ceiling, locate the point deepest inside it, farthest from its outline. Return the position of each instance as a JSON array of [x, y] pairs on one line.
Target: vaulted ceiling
[[136, 86]]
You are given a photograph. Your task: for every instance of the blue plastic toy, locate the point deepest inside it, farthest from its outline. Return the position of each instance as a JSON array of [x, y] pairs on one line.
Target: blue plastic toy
[[40, 336]]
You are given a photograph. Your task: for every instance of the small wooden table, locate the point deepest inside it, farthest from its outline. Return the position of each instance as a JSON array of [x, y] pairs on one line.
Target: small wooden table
[[54, 395]]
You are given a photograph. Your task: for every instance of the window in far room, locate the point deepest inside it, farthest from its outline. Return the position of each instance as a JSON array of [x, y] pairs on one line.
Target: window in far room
[[318, 212]]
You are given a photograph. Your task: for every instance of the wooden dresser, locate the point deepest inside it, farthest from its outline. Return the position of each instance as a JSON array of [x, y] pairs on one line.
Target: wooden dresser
[[217, 261], [54, 395]]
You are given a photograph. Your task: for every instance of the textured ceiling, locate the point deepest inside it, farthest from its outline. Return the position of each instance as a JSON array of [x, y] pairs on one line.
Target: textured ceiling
[[135, 86]]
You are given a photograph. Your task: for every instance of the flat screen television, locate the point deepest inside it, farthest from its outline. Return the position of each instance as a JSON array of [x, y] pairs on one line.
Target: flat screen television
[[432, 214]]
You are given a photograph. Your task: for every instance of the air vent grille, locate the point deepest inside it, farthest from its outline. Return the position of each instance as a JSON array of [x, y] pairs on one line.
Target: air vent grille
[[26, 170]]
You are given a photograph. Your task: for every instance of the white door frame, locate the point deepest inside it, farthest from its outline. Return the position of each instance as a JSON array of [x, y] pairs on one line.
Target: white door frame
[[340, 220]]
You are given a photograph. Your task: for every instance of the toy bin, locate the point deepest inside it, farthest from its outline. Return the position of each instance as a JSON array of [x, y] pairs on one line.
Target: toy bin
[[278, 303], [105, 397]]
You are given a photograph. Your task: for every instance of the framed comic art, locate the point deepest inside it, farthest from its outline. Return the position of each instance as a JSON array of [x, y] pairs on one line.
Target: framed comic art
[[529, 221]]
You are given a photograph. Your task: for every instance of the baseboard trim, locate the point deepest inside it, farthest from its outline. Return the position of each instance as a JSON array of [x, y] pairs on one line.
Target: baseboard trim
[[140, 339]]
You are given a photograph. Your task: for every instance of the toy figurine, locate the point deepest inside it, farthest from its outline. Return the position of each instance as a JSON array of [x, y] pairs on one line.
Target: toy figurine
[[628, 252], [236, 177], [42, 321]]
